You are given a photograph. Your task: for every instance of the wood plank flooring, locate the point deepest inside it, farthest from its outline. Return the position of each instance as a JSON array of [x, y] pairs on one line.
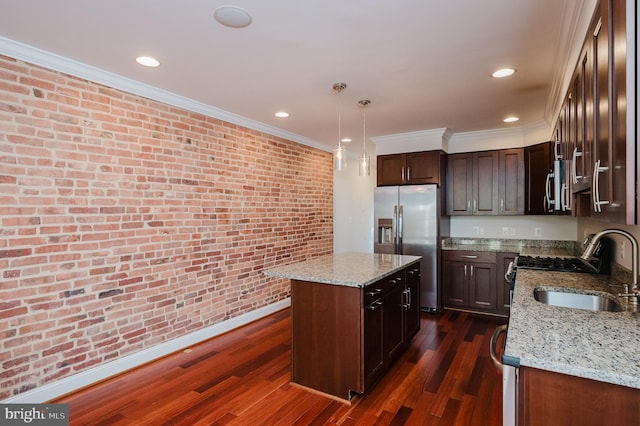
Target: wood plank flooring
[[242, 378]]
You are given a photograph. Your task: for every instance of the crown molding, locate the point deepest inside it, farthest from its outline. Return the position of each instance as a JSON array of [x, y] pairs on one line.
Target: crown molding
[[574, 23], [33, 55]]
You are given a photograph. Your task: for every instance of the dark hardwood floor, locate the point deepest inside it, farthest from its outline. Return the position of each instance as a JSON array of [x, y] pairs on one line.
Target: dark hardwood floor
[[242, 378]]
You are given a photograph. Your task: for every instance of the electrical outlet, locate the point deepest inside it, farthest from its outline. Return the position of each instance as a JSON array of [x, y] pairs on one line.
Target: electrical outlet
[[505, 230], [475, 230], [481, 230], [512, 232], [537, 232]]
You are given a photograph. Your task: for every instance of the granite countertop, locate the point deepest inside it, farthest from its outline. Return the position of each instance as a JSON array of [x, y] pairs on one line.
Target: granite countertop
[[603, 346], [348, 269], [524, 247]]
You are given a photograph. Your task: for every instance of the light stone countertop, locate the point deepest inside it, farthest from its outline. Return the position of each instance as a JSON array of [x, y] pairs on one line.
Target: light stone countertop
[[348, 269], [550, 248], [603, 346]]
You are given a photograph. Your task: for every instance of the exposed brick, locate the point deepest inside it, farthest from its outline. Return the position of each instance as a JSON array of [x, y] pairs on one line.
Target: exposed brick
[[127, 222]]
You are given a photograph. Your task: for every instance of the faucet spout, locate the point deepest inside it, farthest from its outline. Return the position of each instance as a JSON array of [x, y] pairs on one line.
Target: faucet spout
[[589, 250]]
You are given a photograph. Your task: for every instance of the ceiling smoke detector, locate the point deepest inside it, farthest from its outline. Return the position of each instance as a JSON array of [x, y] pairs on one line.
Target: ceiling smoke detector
[[232, 16]]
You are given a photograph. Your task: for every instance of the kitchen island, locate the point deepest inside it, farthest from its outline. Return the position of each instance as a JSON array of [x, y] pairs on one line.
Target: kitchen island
[[352, 314]]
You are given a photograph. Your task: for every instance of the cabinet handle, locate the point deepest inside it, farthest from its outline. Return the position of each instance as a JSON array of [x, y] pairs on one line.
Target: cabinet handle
[[471, 271], [469, 206], [465, 271], [374, 306], [408, 173], [402, 174], [502, 205], [574, 170], [409, 294], [469, 256], [475, 206], [597, 203], [547, 191], [565, 197], [374, 291]]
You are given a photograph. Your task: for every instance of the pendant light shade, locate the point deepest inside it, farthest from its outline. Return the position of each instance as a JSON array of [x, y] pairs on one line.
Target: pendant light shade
[[364, 168], [339, 153]]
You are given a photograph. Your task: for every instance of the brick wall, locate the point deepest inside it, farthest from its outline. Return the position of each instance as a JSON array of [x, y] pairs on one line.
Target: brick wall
[[127, 222]]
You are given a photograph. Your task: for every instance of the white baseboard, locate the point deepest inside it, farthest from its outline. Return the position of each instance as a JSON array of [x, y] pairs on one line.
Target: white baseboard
[[66, 385]]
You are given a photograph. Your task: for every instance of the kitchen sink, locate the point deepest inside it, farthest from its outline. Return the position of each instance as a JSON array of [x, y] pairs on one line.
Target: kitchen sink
[[592, 302]]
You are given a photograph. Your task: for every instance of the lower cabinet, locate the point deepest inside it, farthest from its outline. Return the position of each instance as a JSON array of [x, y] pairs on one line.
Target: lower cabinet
[[469, 280], [474, 280], [345, 338], [546, 397]]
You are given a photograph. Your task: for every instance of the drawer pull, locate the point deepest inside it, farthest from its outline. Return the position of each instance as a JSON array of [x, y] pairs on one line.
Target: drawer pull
[[469, 256], [374, 306]]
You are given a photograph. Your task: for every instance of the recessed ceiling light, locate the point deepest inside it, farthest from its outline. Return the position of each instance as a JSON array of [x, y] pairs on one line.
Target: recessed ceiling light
[[232, 16], [345, 140], [148, 61], [282, 114], [504, 72], [511, 119]]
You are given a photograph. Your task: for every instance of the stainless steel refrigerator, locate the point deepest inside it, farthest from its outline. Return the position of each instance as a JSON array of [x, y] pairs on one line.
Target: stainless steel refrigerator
[[409, 220]]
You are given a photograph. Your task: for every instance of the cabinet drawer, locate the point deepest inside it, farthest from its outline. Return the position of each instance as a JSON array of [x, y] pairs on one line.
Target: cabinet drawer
[[382, 287], [469, 256]]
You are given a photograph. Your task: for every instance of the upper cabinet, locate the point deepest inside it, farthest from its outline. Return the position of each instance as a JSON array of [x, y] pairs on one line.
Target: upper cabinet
[[486, 183], [411, 168], [511, 181], [595, 133], [538, 160]]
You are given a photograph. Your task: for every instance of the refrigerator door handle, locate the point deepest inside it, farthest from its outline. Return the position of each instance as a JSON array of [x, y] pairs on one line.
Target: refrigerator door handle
[[400, 226], [395, 229]]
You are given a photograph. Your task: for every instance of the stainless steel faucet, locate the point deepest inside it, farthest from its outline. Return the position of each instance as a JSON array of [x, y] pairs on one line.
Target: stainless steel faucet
[[587, 255]]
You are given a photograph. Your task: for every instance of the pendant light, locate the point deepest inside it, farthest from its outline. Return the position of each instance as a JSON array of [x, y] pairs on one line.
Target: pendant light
[[339, 153], [365, 161]]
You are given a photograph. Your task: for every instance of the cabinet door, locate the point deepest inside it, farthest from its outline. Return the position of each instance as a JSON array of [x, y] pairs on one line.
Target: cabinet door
[[459, 184], [485, 183], [373, 330], [412, 303], [423, 167], [511, 181], [482, 286], [454, 284], [616, 209], [393, 315], [537, 164], [391, 169], [602, 166]]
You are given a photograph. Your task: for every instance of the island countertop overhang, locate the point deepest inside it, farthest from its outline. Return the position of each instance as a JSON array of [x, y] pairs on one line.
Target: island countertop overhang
[[348, 269]]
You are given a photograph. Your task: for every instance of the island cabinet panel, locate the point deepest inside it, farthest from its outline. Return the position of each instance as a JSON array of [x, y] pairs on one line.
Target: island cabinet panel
[[545, 397], [345, 338], [326, 337]]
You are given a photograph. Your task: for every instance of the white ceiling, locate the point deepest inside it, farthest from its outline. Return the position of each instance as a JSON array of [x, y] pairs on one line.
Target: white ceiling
[[424, 64]]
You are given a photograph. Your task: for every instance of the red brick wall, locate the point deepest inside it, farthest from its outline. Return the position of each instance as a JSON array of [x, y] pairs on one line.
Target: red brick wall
[[127, 222]]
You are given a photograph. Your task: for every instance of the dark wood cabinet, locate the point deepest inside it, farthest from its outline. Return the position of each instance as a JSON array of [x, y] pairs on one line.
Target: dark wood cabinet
[[571, 400], [412, 303], [373, 338], [538, 162], [413, 168], [345, 338], [486, 183], [511, 181], [469, 280], [592, 123]]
